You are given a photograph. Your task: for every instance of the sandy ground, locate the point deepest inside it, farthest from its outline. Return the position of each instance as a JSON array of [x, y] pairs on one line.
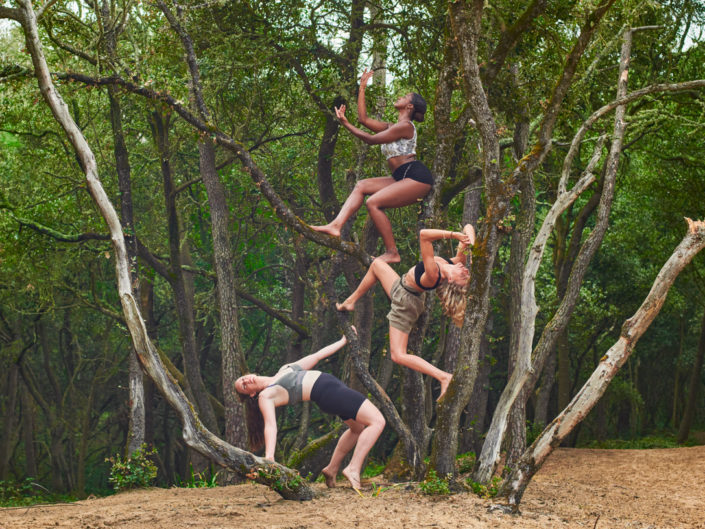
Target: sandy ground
[[605, 489]]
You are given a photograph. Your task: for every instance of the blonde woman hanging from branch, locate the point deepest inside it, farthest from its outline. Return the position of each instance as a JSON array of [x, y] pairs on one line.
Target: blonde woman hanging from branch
[[449, 277]]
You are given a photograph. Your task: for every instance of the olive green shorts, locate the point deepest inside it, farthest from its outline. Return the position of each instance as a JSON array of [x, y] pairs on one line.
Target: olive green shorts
[[406, 307]]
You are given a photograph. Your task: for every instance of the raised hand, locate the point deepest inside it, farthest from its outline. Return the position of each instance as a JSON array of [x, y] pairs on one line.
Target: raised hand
[[340, 113], [464, 238], [366, 75]]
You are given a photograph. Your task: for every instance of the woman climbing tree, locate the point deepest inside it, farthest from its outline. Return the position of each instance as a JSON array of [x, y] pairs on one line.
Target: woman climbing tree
[[411, 180], [449, 276]]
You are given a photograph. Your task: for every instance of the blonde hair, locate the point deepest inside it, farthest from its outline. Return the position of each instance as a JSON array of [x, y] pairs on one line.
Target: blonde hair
[[453, 298]]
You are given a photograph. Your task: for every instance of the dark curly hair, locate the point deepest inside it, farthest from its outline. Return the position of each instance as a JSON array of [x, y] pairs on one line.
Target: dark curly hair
[[419, 107]]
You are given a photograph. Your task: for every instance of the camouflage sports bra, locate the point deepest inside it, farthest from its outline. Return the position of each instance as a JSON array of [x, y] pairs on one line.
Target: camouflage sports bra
[[292, 382], [400, 147]]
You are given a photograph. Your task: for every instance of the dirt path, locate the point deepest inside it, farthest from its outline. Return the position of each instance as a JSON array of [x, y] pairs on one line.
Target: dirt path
[[635, 489]]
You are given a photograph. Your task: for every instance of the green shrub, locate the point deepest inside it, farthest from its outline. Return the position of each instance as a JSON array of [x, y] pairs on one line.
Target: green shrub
[[197, 480], [27, 492], [533, 430], [485, 491], [434, 485], [135, 471], [373, 469], [465, 462]]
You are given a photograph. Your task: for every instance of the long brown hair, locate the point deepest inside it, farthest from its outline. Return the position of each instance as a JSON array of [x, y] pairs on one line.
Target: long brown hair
[[255, 421], [453, 298]]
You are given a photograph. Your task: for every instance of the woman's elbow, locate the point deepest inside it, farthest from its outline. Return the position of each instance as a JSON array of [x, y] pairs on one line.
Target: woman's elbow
[[370, 139]]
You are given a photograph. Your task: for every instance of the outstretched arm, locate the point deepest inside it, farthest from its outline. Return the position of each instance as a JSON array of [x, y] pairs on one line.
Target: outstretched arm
[[372, 124], [266, 406], [463, 254], [388, 135], [309, 362]]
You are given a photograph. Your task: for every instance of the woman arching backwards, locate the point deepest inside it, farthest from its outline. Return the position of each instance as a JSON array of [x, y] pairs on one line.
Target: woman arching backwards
[[298, 382], [410, 181], [449, 276]]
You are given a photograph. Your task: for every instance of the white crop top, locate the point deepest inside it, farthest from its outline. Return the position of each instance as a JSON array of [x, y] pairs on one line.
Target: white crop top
[[400, 147]]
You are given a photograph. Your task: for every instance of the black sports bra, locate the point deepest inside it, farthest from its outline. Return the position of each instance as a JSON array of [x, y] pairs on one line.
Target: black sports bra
[[420, 269]]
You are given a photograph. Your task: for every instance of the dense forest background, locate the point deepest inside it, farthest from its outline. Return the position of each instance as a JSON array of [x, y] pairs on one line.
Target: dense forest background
[[268, 75]]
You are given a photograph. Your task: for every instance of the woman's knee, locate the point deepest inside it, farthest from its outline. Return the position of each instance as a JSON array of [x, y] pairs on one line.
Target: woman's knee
[[380, 269], [379, 420], [363, 187], [377, 265], [374, 203], [375, 419], [398, 355]]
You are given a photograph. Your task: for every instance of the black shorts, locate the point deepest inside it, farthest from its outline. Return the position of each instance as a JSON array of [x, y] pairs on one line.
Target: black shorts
[[334, 397], [414, 170]]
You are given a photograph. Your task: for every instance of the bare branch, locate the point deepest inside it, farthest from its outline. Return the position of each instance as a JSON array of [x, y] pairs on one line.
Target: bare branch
[[510, 38], [43, 9], [241, 152]]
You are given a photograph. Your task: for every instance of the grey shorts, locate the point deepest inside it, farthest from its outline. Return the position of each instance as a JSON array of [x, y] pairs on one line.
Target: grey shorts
[[406, 307]]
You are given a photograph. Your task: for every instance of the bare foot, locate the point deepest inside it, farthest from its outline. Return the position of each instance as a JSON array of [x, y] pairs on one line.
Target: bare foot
[[346, 305], [352, 477], [390, 257], [328, 228], [330, 477], [444, 386]]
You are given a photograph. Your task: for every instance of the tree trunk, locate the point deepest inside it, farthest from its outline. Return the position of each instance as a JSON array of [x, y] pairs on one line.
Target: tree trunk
[[82, 452], [563, 356], [495, 435], [233, 362], [543, 394], [232, 357], [466, 20], [196, 435], [136, 431], [413, 397], [28, 421], [676, 382], [181, 285], [489, 457], [520, 239], [60, 478], [326, 191], [693, 385], [8, 422], [298, 298], [514, 486], [412, 453], [136, 427]]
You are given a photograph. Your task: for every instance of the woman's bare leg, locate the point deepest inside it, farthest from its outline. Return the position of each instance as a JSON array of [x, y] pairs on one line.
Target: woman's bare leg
[[368, 186], [380, 271], [396, 195], [373, 421], [346, 443], [398, 341]]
